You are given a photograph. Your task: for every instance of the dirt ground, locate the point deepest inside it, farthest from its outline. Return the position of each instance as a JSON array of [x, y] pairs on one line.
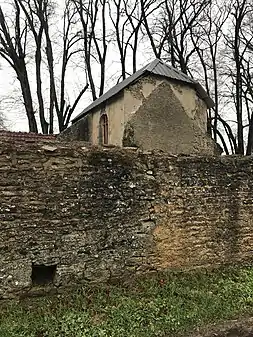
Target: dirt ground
[[235, 328]]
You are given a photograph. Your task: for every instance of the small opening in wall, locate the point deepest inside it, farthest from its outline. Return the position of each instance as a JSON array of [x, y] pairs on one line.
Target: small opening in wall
[[42, 275]]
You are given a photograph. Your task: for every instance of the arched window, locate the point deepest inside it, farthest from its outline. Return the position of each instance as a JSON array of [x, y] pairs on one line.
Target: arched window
[[103, 126]]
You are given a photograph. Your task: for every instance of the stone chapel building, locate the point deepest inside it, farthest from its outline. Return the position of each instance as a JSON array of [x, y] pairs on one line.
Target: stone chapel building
[[158, 107]]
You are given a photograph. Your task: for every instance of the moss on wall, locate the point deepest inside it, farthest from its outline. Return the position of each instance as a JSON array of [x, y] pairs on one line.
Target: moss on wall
[[97, 214]]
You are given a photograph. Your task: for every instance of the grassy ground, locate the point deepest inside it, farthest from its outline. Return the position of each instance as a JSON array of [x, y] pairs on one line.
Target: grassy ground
[[162, 305]]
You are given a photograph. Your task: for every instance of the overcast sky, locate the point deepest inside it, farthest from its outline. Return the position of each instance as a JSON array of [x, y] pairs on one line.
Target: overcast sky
[[9, 90], [10, 99]]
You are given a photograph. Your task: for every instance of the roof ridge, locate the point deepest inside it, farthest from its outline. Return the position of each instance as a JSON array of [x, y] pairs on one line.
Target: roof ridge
[[156, 67], [151, 67], [154, 64]]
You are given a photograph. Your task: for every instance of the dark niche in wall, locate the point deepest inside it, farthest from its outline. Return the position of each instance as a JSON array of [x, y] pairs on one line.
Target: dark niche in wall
[[42, 275]]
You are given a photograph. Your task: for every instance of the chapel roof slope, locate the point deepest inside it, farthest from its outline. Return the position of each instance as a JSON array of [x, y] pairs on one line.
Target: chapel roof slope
[[156, 67]]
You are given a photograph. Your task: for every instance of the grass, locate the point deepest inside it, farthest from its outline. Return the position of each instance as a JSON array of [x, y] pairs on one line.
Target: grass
[[166, 304]]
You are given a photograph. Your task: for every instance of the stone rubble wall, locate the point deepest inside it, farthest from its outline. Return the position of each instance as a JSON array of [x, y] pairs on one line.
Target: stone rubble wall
[[101, 214]]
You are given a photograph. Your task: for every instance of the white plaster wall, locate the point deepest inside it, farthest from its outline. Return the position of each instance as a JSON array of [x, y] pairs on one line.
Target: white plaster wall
[[136, 93], [115, 112], [192, 104], [124, 106], [120, 109]]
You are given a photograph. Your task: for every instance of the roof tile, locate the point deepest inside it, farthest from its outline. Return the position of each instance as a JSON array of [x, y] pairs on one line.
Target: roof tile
[[9, 136]]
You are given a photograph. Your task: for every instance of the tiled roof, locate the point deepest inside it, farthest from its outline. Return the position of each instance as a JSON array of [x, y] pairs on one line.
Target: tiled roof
[[9, 136], [156, 67]]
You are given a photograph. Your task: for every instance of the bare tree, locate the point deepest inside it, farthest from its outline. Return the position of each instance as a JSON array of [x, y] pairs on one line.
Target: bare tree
[[95, 42], [169, 33], [152, 28], [239, 13], [127, 17], [42, 10], [207, 38], [32, 28], [239, 72], [13, 44]]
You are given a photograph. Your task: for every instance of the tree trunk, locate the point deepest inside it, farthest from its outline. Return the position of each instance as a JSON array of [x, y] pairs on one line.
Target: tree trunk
[[27, 96]]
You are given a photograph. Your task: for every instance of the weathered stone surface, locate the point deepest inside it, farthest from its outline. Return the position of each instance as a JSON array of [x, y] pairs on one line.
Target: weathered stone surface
[[105, 213]]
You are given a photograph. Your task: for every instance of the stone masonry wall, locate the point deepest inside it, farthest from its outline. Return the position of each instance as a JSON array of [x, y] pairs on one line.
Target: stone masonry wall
[[99, 214]]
